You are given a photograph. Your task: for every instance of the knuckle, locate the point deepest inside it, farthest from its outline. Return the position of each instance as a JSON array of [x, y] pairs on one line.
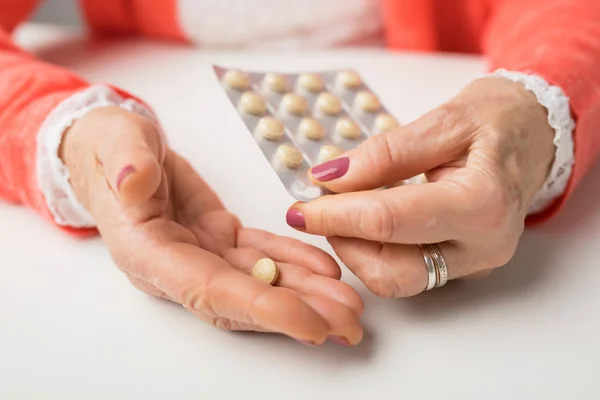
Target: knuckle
[[377, 221], [120, 121], [504, 253], [194, 299], [325, 222], [128, 126], [197, 298], [223, 323], [442, 120], [411, 282], [382, 152], [380, 282], [379, 285]]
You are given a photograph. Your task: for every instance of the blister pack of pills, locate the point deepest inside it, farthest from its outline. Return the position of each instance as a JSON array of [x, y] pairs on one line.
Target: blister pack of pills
[[304, 119]]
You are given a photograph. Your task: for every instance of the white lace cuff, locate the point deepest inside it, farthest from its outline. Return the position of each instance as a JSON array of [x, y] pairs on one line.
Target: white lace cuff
[[52, 174], [559, 117]]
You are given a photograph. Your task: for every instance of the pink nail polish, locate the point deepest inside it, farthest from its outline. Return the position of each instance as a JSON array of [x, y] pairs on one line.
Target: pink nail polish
[[331, 170], [125, 172], [339, 340], [295, 219]]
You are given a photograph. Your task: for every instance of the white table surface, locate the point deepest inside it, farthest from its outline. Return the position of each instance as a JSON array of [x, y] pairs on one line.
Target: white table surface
[[72, 327]]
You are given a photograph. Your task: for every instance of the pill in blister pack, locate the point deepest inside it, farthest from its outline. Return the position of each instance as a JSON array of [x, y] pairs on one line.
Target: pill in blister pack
[[304, 119]]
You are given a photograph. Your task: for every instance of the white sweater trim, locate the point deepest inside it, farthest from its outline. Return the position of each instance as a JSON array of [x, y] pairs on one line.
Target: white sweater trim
[[559, 117]]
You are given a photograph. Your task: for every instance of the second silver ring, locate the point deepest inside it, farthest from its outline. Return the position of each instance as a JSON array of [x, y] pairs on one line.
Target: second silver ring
[[440, 263]]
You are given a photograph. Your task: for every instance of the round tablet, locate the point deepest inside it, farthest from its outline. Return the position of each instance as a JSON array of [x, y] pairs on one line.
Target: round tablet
[[329, 104], [275, 83], [329, 152], [367, 101], [265, 270], [347, 129], [236, 79], [294, 104], [311, 82], [253, 103], [347, 80], [385, 122], [421, 178], [289, 156], [311, 129], [269, 128]]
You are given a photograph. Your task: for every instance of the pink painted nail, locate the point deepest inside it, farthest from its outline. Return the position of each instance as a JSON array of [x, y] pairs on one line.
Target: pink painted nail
[[125, 172], [339, 340], [295, 219], [331, 170]]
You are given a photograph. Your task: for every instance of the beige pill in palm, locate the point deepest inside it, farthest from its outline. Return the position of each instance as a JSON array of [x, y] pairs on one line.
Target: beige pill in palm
[[294, 104], [289, 156], [329, 152], [253, 103], [367, 101], [236, 80], [265, 270], [347, 129], [348, 80], [311, 129], [275, 83], [329, 104], [269, 128], [310, 82], [385, 122]]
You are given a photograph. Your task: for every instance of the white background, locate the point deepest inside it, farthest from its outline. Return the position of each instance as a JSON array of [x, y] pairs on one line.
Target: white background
[[72, 327]]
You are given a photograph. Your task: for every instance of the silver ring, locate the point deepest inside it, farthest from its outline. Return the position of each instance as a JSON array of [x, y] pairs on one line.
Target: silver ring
[[440, 263], [431, 268]]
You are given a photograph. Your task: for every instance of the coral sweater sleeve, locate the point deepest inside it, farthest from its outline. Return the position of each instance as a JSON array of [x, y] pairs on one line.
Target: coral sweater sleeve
[[557, 40], [31, 92]]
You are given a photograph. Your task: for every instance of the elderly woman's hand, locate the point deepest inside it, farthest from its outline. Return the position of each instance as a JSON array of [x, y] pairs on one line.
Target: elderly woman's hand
[[172, 237], [485, 153]]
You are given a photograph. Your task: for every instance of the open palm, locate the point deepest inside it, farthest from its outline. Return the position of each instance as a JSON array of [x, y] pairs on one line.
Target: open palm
[[168, 231]]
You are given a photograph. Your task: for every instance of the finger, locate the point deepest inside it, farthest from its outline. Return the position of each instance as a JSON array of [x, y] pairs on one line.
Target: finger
[[131, 157], [289, 250], [387, 158], [395, 270], [206, 283], [222, 323], [427, 213], [344, 326], [300, 279]]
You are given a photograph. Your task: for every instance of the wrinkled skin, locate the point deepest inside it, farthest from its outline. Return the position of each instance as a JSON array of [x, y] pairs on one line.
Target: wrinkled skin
[[486, 152], [171, 236]]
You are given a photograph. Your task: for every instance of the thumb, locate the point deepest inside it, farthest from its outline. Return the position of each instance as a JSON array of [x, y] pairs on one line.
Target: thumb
[[131, 155], [390, 157]]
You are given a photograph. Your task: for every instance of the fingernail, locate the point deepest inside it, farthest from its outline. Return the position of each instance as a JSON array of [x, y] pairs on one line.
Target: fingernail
[[339, 340], [308, 343], [295, 219], [125, 172], [331, 170]]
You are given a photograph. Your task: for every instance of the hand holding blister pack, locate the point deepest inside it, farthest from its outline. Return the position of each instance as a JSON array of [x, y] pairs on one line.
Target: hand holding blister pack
[[301, 120]]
